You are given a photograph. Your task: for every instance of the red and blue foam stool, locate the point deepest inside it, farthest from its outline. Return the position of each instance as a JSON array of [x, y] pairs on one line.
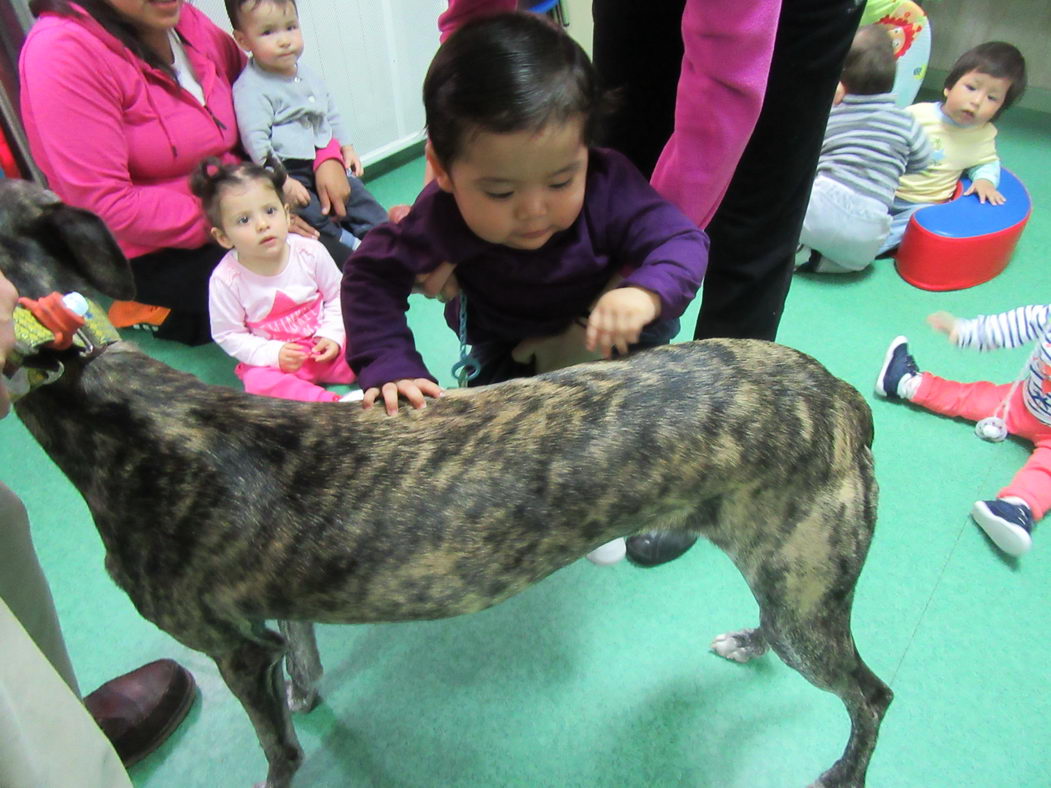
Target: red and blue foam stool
[[962, 243]]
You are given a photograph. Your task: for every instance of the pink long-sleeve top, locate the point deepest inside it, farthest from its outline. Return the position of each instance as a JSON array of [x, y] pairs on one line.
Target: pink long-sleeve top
[[253, 316], [119, 137]]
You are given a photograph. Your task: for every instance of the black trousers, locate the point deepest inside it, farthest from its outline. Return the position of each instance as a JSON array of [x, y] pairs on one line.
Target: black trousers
[[363, 211], [756, 228], [178, 279], [637, 51]]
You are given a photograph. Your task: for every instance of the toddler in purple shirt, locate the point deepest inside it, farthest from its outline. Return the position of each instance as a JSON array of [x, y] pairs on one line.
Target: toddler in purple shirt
[[532, 222], [544, 245]]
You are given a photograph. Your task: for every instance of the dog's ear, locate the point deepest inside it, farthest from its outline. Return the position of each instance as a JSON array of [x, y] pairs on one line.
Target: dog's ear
[[88, 244]]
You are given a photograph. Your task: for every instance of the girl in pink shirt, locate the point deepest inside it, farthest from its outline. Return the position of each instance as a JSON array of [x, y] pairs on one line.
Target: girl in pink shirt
[[273, 299]]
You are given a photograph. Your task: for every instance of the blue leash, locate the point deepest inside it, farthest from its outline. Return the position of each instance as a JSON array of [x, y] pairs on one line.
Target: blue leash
[[467, 368]]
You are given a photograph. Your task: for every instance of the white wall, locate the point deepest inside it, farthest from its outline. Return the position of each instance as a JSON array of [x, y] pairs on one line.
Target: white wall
[[373, 55], [577, 14]]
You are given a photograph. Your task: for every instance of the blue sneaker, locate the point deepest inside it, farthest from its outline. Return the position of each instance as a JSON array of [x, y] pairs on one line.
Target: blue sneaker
[[898, 365], [1007, 524]]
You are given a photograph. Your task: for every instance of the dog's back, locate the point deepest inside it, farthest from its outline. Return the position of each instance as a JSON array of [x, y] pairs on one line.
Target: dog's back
[[337, 514]]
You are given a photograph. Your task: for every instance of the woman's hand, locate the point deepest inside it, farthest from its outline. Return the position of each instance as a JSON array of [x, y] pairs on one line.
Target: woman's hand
[[414, 390], [299, 226], [324, 350], [440, 283], [618, 318], [291, 357], [333, 188]]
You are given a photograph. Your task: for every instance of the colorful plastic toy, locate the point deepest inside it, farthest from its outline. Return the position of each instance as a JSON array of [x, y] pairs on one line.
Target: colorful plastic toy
[[911, 31], [962, 243]]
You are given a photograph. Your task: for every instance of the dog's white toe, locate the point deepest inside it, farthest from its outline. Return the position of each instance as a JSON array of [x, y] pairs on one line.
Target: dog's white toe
[[727, 646], [740, 646]]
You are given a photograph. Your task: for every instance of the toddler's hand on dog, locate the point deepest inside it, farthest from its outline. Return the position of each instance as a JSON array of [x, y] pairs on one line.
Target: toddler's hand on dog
[[290, 357], [618, 318], [412, 389]]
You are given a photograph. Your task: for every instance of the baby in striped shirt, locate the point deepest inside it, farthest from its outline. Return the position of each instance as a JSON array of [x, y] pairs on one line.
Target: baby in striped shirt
[[869, 144], [1022, 408]]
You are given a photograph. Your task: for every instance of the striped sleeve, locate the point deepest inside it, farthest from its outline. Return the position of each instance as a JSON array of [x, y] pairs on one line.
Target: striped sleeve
[[920, 150], [1013, 328]]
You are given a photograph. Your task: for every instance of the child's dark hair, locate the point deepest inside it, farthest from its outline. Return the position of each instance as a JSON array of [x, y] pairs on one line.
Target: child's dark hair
[[997, 59], [236, 8], [211, 176], [870, 67], [504, 73]]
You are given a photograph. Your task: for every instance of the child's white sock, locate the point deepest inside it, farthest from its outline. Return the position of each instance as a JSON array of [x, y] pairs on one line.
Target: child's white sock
[[609, 553], [908, 386]]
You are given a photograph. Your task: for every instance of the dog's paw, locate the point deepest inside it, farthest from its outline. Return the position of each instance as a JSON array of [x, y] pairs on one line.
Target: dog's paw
[[299, 701], [740, 646]]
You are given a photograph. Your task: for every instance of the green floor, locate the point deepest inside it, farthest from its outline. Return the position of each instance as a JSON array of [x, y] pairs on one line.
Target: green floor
[[602, 677]]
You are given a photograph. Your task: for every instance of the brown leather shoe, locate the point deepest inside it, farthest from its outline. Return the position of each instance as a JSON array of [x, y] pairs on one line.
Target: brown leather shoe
[[139, 710]]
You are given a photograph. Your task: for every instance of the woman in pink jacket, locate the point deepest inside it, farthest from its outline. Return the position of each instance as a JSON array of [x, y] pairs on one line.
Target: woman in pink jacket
[[120, 100]]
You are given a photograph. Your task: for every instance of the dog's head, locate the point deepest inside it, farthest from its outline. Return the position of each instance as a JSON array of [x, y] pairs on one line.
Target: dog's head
[[46, 245]]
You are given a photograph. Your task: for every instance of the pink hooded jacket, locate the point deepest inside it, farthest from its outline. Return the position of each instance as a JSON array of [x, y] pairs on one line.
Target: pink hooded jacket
[[118, 137]]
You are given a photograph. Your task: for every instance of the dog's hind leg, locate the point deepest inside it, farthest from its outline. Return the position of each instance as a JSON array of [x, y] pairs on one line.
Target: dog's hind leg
[[252, 671], [303, 663], [823, 651], [804, 583], [805, 599], [741, 645]]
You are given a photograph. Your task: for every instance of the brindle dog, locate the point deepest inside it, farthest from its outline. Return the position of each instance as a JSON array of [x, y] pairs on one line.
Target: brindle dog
[[220, 510]]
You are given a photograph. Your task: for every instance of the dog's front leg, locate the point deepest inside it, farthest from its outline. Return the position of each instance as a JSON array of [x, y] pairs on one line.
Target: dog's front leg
[[303, 663], [252, 671]]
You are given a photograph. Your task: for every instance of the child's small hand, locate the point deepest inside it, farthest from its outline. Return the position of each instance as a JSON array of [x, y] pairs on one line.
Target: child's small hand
[[986, 192], [296, 194], [943, 322], [324, 350], [352, 161], [414, 390], [291, 357], [618, 318]]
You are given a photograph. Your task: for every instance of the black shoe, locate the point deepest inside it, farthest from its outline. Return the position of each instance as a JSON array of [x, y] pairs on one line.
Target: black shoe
[[658, 547], [897, 365], [139, 710]]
